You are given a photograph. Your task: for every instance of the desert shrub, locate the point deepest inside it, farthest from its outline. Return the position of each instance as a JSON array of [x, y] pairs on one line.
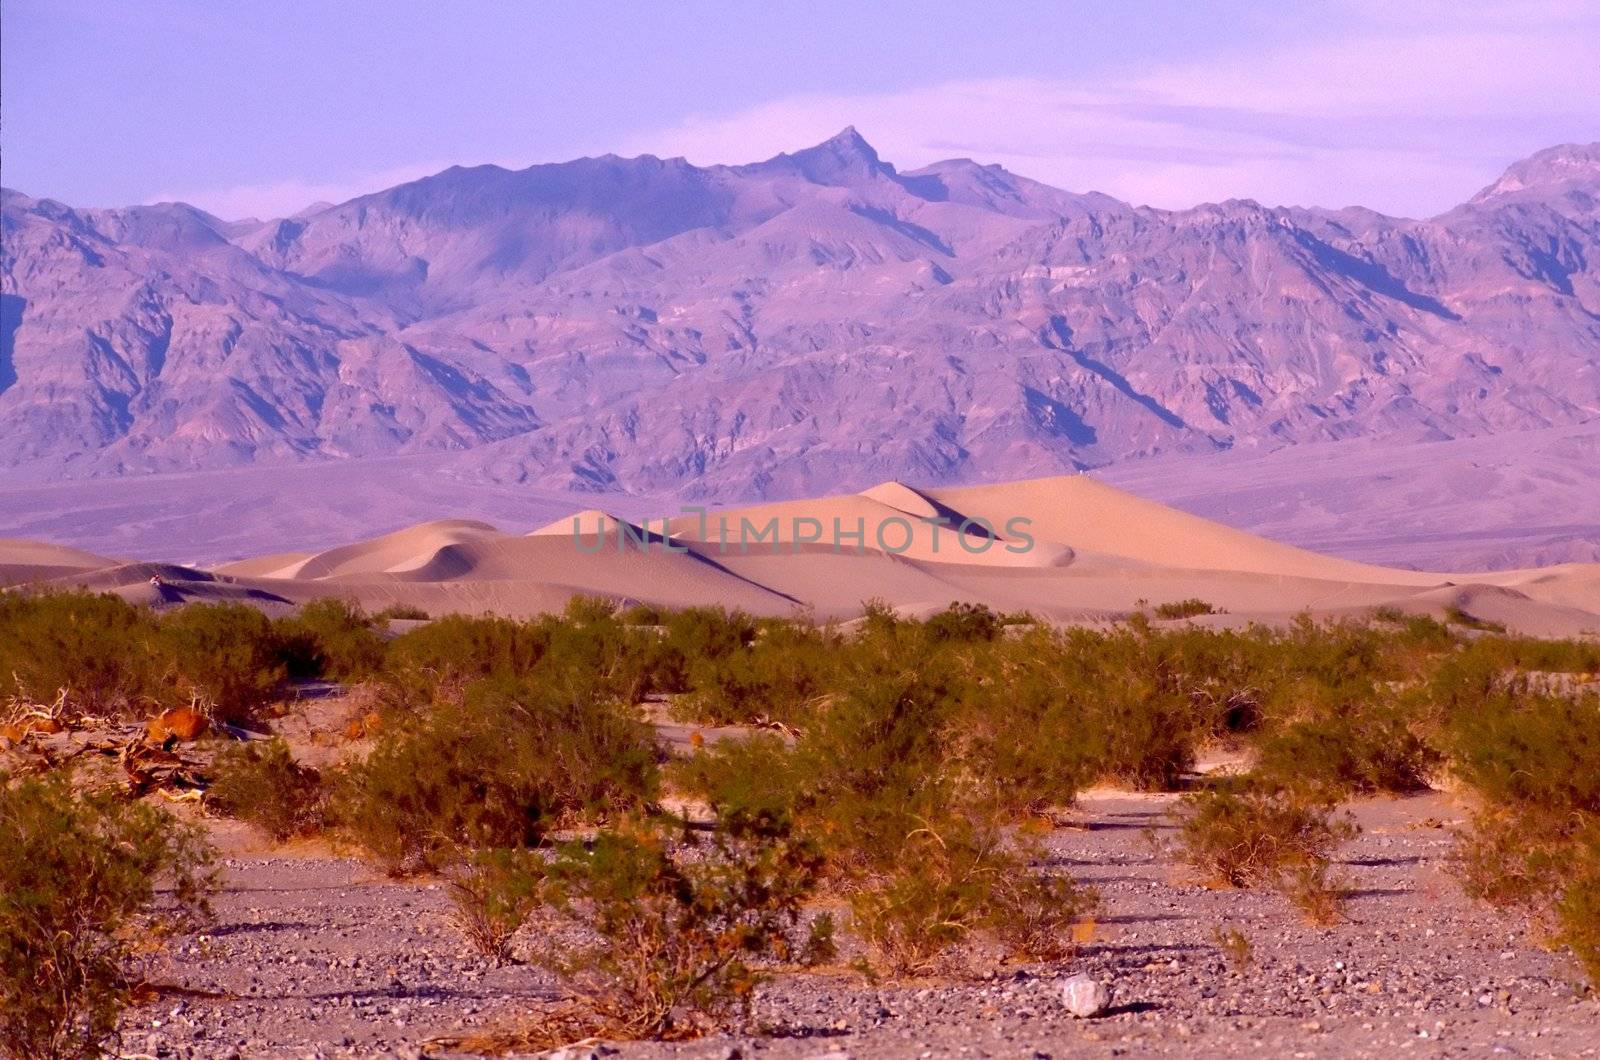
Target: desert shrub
[[329, 638], [583, 610], [455, 650], [680, 925], [640, 615], [758, 776], [494, 891], [1537, 754], [962, 623], [1253, 835], [597, 658], [78, 874], [1577, 910], [223, 654], [696, 634], [1149, 741], [950, 880], [402, 612], [1184, 609], [260, 782], [1359, 751], [1033, 750], [779, 677], [1534, 762], [1468, 621], [94, 648], [501, 768]]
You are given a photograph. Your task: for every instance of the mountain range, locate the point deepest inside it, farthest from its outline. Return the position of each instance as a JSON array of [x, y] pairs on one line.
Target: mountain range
[[816, 322]]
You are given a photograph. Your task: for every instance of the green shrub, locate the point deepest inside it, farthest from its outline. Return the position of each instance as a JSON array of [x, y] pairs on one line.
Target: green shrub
[[453, 651], [1538, 755], [94, 648], [1534, 762], [402, 612], [681, 925], [951, 879], [329, 638], [1360, 751], [963, 623], [780, 677], [78, 877], [223, 654], [1577, 910], [696, 634], [503, 767], [260, 782], [1185, 609]]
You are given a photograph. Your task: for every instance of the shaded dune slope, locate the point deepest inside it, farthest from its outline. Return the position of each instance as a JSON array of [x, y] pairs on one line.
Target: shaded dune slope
[[1068, 548]]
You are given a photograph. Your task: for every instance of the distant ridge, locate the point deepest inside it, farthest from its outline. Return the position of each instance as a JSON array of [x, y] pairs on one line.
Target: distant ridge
[[815, 322]]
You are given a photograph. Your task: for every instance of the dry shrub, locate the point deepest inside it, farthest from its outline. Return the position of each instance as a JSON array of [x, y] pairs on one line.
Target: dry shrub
[[1253, 835], [950, 882], [680, 926], [493, 892], [78, 877], [1236, 947], [260, 782]]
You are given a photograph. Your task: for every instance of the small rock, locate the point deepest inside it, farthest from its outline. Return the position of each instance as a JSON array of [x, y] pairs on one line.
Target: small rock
[[1084, 997]]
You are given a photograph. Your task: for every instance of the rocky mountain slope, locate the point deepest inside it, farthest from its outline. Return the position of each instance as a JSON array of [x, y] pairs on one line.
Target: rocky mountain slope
[[814, 322]]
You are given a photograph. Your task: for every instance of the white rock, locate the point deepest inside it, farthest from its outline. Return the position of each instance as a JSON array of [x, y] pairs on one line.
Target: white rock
[[1084, 997]]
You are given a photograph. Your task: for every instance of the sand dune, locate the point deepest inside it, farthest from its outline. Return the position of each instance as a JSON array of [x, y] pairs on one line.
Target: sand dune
[[28, 561], [1066, 548]]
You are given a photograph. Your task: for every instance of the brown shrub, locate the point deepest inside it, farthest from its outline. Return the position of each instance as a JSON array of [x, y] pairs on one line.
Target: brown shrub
[[680, 924]]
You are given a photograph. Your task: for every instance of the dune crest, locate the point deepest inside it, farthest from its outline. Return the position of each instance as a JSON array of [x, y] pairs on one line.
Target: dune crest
[[1067, 548]]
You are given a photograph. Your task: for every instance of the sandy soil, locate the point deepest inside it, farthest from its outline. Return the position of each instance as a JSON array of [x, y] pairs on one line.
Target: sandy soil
[[314, 954]]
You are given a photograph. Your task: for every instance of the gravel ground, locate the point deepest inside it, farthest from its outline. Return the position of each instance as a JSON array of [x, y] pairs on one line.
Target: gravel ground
[[315, 955]]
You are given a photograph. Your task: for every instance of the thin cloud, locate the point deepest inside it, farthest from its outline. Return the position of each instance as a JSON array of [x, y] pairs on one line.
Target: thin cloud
[[1400, 116], [1410, 123], [285, 198]]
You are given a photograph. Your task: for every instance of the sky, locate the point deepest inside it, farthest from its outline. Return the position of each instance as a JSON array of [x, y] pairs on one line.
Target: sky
[[262, 107]]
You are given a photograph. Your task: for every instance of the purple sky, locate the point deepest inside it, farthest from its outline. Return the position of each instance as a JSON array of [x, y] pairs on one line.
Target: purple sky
[[260, 107]]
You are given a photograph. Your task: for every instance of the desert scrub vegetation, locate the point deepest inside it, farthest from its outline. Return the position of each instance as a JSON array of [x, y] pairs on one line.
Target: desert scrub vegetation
[[95, 651], [224, 655], [260, 782], [331, 638], [680, 925], [1533, 760], [79, 879], [103, 657], [1249, 833], [493, 891], [504, 765], [1189, 608], [887, 783]]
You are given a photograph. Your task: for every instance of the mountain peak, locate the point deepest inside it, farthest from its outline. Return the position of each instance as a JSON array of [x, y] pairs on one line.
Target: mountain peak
[[1556, 168], [845, 158]]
